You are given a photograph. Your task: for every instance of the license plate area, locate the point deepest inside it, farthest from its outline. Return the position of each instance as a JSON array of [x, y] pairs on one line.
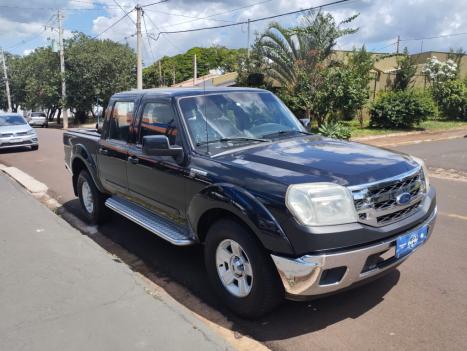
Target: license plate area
[[407, 243]]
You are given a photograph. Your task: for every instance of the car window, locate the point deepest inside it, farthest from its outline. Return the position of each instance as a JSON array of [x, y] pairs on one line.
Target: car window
[[11, 120], [120, 120], [38, 114], [158, 119]]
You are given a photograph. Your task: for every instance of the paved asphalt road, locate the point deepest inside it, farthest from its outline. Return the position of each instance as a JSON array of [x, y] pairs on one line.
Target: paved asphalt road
[[420, 306]]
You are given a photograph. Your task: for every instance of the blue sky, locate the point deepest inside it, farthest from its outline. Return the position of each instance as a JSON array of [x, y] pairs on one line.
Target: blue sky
[[380, 22]]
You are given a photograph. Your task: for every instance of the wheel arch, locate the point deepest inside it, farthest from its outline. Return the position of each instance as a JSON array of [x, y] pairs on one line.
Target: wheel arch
[[82, 160], [228, 201]]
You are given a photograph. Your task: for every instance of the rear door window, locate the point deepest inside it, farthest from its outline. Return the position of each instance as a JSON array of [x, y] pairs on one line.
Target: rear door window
[[121, 120]]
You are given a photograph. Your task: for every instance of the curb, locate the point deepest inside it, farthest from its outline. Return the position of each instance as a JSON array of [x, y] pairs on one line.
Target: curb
[[155, 286], [401, 134]]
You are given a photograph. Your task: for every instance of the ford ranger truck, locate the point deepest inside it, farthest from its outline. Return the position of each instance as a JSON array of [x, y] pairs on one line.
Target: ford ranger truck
[[280, 212]]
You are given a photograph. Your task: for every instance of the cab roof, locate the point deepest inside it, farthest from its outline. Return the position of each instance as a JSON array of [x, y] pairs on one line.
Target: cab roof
[[177, 92]]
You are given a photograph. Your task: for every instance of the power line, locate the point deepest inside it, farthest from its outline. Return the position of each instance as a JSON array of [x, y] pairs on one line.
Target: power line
[[166, 38], [436, 37], [186, 16], [147, 37], [51, 8], [36, 37], [154, 3], [123, 10], [253, 20], [113, 24], [220, 13]]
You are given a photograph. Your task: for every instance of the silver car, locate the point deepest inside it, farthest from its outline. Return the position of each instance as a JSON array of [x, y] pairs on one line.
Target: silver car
[[38, 119], [16, 132]]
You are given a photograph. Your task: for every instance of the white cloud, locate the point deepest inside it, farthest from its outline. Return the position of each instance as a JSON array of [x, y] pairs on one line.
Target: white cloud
[[380, 22]]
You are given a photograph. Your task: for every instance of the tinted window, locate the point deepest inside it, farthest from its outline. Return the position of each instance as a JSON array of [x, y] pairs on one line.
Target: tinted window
[[11, 120], [158, 119], [253, 115], [38, 114], [120, 120]]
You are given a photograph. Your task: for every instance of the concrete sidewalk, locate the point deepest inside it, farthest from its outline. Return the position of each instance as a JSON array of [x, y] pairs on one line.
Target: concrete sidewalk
[[412, 137], [61, 291]]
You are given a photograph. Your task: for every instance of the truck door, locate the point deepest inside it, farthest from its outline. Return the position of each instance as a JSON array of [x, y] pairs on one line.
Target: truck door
[[157, 182], [112, 152]]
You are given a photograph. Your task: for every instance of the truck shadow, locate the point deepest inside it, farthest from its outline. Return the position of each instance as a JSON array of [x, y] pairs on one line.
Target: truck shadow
[[13, 150], [165, 264]]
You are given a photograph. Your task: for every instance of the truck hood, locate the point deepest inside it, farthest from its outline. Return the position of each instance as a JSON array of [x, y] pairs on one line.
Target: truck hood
[[317, 159]]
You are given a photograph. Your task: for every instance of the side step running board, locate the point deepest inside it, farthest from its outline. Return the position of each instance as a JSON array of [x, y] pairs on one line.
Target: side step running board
[[158, 225]]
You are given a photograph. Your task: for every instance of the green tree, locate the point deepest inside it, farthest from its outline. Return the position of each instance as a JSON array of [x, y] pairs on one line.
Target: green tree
[[298, 59], [451, 97], [406, 70], [96, 69], [179, 68]]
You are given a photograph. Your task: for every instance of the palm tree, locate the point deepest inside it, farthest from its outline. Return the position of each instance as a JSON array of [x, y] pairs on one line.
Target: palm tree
[[292, 55]]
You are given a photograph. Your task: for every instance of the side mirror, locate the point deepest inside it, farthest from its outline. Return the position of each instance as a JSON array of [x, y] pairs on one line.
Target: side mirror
[[158, 145], [305, 122]]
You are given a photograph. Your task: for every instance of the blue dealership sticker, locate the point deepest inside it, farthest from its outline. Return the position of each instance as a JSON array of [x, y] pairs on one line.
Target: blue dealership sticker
[[405, 244]]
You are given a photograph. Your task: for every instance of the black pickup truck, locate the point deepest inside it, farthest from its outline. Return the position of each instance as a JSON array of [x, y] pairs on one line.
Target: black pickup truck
[[281, 212]]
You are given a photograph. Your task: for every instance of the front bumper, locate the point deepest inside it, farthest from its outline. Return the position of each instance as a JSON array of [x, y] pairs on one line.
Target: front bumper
[[312, 275], [37, 122], [19, 142]]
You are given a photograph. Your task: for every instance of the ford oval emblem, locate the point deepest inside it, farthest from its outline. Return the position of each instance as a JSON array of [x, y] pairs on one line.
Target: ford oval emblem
[[403, 199]]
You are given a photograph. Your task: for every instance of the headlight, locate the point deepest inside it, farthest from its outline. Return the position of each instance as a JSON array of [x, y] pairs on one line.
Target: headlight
[[424, 170], [321, 204], [31, 132]]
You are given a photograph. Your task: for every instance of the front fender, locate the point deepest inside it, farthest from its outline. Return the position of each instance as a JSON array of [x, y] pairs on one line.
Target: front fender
[[245, 206]]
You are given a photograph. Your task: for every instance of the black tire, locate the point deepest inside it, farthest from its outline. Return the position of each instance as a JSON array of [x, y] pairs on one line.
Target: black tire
[[99, 213], [35, 147], [266, 292]]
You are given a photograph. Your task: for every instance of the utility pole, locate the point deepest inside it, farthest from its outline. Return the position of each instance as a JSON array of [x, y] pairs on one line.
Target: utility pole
[[62, 69], [139, 42], [398, 42], [7, 83], [195, 70], [248, 48]]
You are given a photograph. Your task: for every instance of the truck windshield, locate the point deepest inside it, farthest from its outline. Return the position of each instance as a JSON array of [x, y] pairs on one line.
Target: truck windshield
[[11, 120], [219, 121]]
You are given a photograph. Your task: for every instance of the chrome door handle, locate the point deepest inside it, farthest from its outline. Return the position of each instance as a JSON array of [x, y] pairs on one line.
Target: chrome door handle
[[103, 151]]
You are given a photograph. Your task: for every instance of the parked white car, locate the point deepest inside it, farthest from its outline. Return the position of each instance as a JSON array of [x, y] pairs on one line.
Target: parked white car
[[38, 119], [16, 132]]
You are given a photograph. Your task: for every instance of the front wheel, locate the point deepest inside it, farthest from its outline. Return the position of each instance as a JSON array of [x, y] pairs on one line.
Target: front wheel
[[92, 200], [240, 270]]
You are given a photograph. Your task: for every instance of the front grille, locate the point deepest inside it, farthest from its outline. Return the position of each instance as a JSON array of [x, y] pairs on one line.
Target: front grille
[[377, 204], [6, 135], [394, 216], [21, 133]]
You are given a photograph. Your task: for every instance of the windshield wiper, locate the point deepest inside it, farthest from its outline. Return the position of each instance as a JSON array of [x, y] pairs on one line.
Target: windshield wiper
[[285, 132], [225, 140]]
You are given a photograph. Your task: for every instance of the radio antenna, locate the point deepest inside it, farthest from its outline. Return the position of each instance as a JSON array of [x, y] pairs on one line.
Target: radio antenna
[[205, 116]]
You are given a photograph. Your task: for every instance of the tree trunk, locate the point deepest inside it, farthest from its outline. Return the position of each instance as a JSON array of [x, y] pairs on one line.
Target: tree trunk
[[59, 115]]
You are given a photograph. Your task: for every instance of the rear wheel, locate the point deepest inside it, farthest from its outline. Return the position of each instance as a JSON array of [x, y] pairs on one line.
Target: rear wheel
[[240, 270], [91, 199]]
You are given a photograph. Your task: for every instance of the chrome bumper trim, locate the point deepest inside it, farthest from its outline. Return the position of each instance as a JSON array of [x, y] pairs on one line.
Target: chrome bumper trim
[[301, 276]]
